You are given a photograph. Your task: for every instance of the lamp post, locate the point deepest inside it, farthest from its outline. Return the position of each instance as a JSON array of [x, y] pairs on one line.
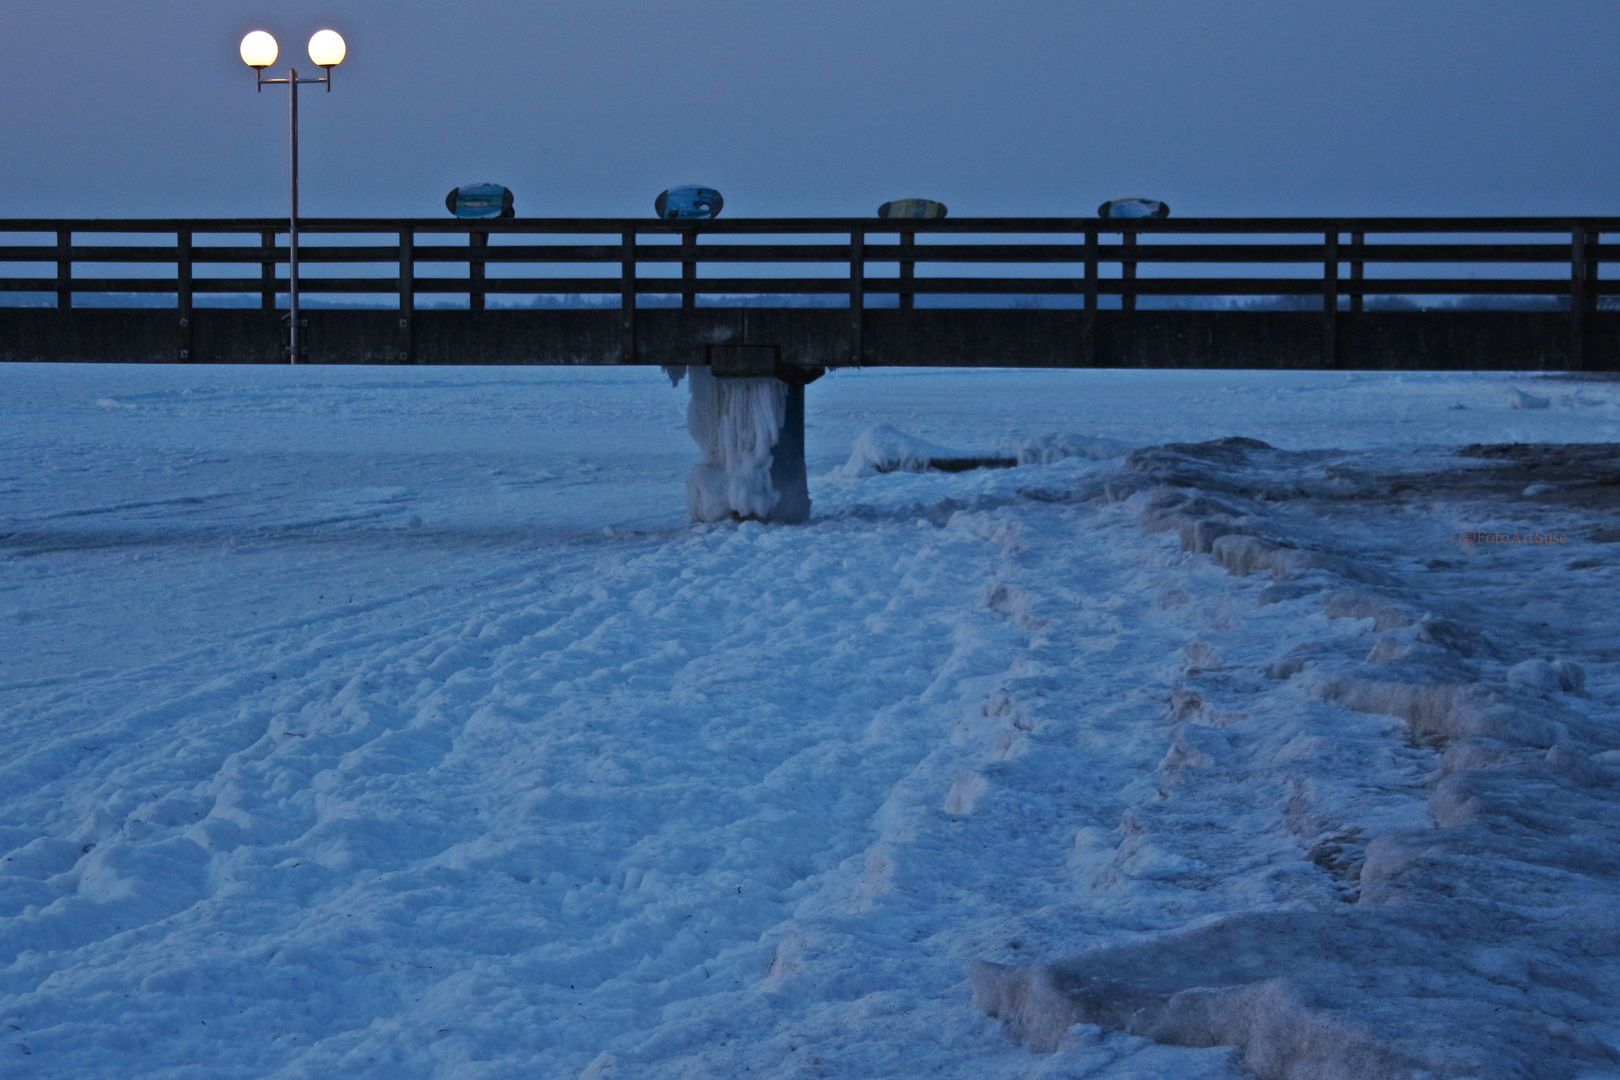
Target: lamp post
[[326, 50]]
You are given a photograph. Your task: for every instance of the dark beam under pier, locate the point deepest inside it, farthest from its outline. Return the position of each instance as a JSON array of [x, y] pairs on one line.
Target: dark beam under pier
[[826, 337]]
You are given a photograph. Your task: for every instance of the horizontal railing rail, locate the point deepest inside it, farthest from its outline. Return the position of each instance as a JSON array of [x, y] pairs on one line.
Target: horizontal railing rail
[[934, 286], [833, 225], [1105, 257], [783, 253]]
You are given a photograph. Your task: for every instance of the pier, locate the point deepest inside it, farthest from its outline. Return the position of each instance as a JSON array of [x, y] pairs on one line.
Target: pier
[[753, 296]]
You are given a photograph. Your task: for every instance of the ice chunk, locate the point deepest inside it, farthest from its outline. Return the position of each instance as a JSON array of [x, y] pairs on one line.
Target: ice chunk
[[1571, 676], [1548, 676], [600, 1068], [883, 449], [1045, 449], [965, 792], [1518, 399], [1535, 674]]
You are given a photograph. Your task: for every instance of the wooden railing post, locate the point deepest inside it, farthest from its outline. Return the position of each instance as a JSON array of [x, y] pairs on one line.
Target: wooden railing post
[[1579, 268], [627, 297], [908, 269], [1088, 317], [689, 269], [1357, 241], [267, 271], [1091, 270], [857, 293], [478, 241], [182, 268], [64, 268], [1330, 298], [407, 296], [1593, 239], [1127, 272]]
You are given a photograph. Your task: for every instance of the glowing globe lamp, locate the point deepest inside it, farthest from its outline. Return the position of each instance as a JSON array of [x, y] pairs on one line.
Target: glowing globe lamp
[[259, 50], [326, 48]]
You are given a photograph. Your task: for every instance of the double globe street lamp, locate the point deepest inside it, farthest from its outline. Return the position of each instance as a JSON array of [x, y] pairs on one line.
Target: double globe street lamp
[[259, 51]]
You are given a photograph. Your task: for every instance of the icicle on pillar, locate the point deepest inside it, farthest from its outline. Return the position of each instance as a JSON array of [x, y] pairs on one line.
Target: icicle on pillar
[[747, 416]]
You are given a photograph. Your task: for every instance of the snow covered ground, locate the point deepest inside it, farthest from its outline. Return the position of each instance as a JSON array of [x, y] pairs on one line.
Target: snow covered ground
[[393, 723]]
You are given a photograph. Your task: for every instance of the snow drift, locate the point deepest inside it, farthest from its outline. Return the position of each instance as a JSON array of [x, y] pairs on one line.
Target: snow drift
[[884, 449]]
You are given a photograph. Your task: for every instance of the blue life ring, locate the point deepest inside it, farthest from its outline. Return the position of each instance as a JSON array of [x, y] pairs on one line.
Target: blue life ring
[[914, 209], [479, 201], [1134, 208], [689, 203]]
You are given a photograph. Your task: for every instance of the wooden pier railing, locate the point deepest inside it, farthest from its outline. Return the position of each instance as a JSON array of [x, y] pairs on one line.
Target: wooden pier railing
[[1011, 291]]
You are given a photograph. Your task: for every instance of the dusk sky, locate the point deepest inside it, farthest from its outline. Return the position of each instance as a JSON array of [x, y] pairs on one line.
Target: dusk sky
[[816, 107]]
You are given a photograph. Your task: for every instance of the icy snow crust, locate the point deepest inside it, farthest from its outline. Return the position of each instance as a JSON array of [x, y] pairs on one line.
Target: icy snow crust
[[396, 726]]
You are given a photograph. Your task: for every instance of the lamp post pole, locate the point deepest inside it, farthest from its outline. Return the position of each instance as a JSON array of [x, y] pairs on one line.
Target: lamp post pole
[[327, 50], [292, 222]]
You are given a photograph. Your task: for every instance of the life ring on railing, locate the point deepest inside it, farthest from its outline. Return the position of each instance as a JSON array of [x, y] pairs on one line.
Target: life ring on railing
[[914, 209], [689, 203], [1134, 208], [480, 201]]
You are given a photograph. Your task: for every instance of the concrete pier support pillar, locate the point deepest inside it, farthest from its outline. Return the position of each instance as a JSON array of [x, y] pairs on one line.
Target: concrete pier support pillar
[[788, 474]]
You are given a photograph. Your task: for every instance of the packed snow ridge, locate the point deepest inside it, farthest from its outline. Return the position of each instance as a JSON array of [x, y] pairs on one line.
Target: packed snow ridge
[[1481, 942]]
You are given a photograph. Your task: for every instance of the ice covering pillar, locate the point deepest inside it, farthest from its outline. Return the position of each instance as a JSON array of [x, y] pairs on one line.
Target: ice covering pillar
[[751, 432]]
